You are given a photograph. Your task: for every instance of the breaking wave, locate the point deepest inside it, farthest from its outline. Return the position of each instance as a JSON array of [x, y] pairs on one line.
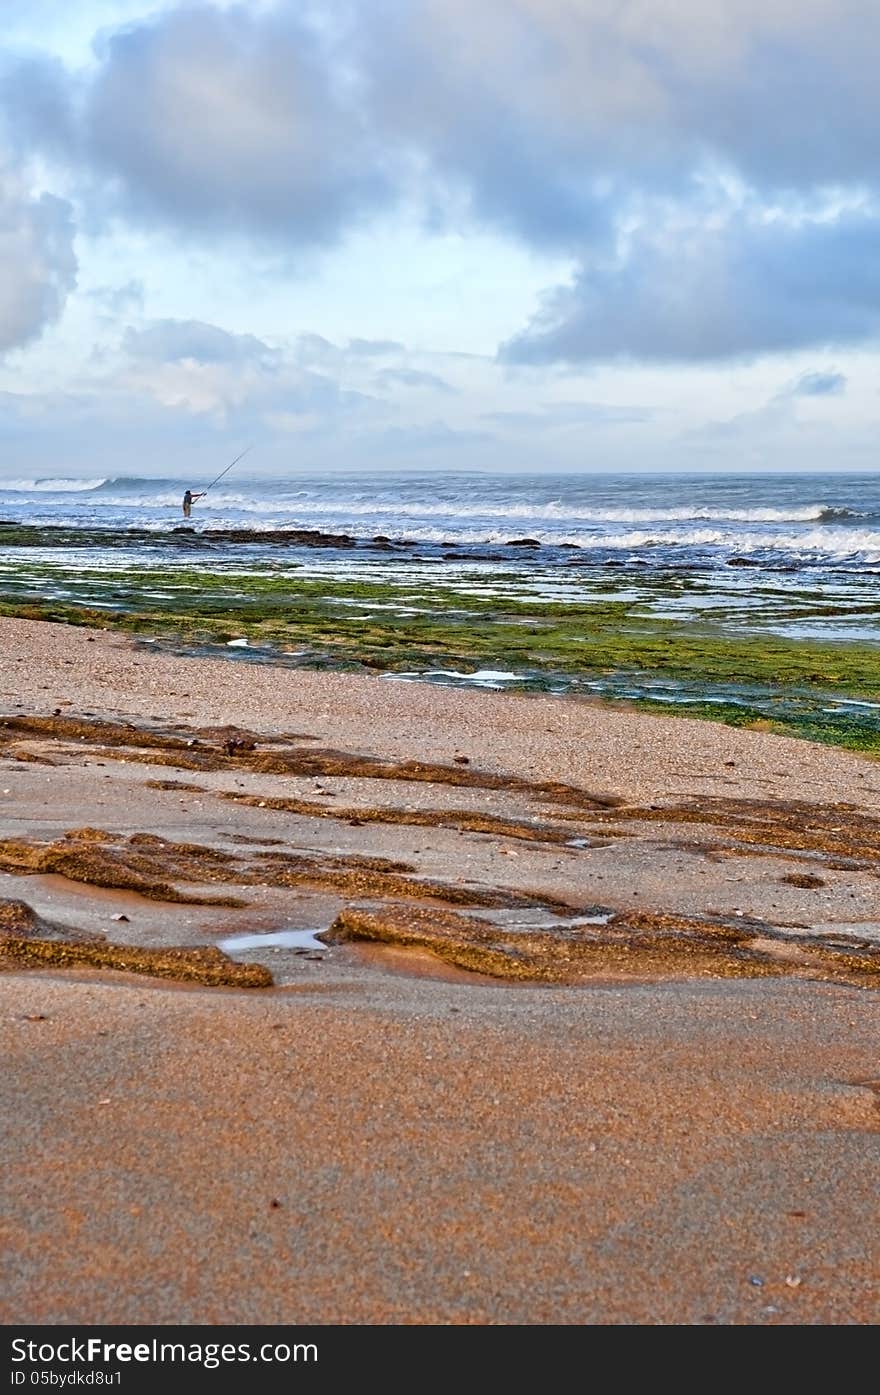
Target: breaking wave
[[829, 520], [348, 499], [49, 486], [277, 501], [808, 545], [815, 543], [563, 513]]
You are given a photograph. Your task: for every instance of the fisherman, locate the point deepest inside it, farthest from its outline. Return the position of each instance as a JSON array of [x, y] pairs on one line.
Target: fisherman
[[189, 499]]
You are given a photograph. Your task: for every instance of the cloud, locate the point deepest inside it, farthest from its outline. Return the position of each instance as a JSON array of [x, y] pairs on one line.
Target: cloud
[[173, 341], [355, 361], [374, 348], [413, 378], [697, 163], [37, 260], [819, 384], [571, 414], [767, 420], [778, 414], [211, 121], [430, 436], [731, 286], [543, 115], [116, 300], [314, 349], [617, 133], [203, 370], [38, 99], [531, 101]]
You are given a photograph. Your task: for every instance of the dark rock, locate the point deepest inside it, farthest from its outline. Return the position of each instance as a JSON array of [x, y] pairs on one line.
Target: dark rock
[[522, 542]]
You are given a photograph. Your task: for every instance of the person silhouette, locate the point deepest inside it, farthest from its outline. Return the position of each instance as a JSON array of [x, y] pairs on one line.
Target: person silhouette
[[189, 499]]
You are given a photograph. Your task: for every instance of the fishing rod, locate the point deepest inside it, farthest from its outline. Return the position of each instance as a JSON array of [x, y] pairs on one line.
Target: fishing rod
[[228, 468]]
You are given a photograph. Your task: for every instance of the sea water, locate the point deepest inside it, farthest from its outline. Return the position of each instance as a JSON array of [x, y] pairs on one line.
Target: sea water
[[809, 521]]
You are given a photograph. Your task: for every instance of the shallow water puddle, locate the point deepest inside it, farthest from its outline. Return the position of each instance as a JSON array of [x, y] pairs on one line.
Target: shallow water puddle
[[281, 939], [507, 921], [478, 678]]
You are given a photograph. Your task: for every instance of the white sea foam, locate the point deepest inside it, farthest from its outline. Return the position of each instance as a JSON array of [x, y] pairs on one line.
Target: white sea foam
[[810, 543], [478, 678], [815, 542], [298, 504], [49, 486], [830, 542], [480, 675], [551, 512]]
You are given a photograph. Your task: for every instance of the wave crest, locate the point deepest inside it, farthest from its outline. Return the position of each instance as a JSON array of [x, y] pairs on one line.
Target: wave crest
[[49, 486]]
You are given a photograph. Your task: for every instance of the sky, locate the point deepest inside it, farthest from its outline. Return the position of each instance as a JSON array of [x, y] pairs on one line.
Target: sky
[[439, 234]]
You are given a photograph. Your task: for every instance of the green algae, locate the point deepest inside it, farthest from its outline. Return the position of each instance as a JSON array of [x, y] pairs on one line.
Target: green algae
[[610, 633]]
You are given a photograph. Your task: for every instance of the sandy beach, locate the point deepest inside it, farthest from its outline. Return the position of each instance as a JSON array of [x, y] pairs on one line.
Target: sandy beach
[[590, 1035], [439, 677]]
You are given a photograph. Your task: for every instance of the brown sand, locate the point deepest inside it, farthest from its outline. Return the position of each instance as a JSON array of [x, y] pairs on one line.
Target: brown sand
[[365, 1144], [43, 664]]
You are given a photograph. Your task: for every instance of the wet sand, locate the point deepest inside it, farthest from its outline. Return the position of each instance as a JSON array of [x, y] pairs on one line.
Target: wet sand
[[385, 1138]]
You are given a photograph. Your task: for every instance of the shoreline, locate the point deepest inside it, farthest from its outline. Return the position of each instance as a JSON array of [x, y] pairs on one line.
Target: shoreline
[[664, 639], [431, 719], [394, 1139]]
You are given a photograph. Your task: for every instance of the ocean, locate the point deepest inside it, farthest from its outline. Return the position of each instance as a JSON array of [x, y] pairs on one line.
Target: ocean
[[812, 523], [750, 597]]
